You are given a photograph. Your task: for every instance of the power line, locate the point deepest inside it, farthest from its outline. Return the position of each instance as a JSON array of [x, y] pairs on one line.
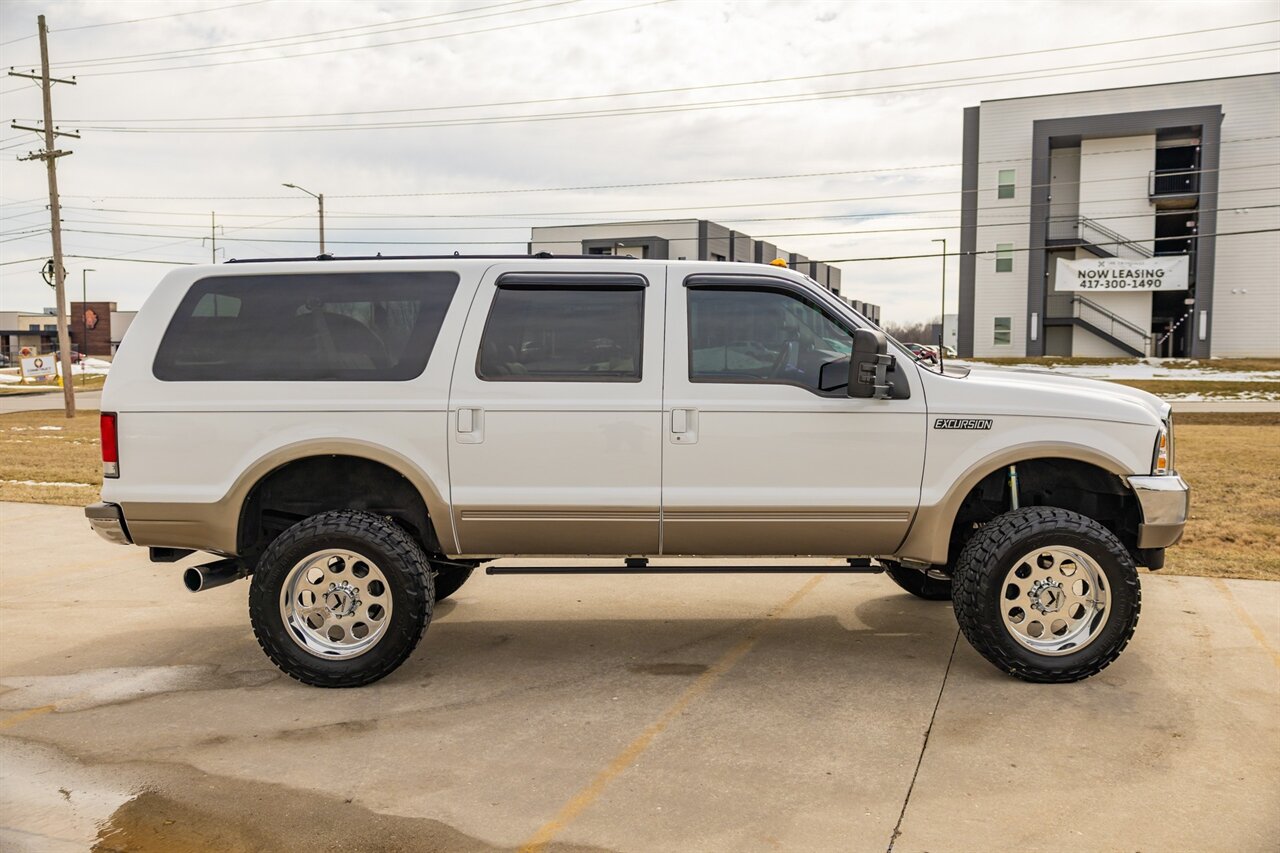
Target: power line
[[304, 38], [403, 228], [247, 60], [698, 106], [139, 20], [839, 173], [391, 242], [215, 49], [1032, 248], [680, 89]]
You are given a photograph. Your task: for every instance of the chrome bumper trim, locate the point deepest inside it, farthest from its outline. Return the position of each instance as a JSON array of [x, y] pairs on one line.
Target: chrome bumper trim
[[107, 521], [1165, 502]]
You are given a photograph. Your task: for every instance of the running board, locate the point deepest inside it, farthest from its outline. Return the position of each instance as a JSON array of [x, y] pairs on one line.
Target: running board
[[856, 566]]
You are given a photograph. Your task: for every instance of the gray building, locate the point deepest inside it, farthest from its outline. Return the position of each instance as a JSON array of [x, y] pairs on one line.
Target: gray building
[[681, 239], [1173, 185]]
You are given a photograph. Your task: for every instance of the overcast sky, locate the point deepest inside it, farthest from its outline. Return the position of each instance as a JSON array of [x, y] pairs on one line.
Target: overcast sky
[[477, 64]]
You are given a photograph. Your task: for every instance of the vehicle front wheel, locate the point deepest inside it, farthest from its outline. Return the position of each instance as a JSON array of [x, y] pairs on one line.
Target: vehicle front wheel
[[1046, 594], [341, 599], [931, 585]]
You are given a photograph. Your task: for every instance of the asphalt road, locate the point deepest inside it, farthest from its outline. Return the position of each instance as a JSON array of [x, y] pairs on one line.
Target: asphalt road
[[47, 400], [631, 713]]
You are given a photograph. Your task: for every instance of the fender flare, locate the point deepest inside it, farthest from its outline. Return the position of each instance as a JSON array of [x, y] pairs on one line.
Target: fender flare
[[930, 533]]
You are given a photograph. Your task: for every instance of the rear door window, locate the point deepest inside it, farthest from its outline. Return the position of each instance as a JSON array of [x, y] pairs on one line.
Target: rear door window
[[575, 333], [344, 327]]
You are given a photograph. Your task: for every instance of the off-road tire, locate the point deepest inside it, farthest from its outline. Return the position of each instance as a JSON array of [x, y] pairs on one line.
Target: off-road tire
[[919, 583], [449, 579], [409, 582], [981, 570]]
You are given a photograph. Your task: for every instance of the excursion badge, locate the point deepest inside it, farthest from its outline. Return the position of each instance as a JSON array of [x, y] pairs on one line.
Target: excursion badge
[[962, 423]]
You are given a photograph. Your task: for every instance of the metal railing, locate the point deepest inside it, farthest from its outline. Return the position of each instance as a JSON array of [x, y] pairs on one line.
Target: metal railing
[[1161, 182], [1111, 241], [1112, 323], [1094, 233]]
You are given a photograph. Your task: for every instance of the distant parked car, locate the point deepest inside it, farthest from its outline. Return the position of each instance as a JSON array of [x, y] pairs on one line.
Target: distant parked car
[[949, 352], [76, 357], [922, 352]]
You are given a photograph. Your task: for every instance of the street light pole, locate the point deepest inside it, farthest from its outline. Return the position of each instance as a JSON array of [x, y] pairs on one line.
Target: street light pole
[[84, 301], [942, 325], [318, 197]]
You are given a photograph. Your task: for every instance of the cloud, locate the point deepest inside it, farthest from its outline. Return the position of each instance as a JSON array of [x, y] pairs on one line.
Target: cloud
[[666, 46]]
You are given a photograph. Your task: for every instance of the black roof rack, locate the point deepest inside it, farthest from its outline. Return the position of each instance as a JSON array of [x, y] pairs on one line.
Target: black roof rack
[[454, 256]]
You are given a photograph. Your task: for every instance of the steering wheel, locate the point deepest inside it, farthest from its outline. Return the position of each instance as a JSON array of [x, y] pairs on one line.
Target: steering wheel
[[781, 361]]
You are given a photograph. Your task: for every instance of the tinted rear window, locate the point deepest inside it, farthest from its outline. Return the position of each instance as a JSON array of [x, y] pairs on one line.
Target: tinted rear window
[[306, 328], [582, 334]]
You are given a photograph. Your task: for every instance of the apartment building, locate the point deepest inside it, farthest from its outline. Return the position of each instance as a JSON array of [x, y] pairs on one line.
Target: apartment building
[[684, 239], [1123, 222]]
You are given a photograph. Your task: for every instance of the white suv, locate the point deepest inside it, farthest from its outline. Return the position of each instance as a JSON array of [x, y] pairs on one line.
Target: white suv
[[358, 435]]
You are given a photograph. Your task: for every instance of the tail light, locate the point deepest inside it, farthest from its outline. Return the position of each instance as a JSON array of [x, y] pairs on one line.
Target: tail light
[[110, 445]]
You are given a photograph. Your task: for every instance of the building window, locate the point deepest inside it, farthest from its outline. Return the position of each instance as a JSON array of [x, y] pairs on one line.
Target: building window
[[1004, 257], [1004, 184], [1003, 335]]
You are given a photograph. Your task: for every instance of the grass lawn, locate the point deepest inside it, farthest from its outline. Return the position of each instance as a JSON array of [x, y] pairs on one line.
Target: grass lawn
[[1232, 461], [1207, 388]]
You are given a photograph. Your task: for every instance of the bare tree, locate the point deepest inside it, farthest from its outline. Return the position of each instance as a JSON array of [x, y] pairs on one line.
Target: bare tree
[[915, 333]]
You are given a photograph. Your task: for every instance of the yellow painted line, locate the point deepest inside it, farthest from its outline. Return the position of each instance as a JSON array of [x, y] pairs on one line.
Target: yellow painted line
[[584, 798], [14, 719], [1254, 627]]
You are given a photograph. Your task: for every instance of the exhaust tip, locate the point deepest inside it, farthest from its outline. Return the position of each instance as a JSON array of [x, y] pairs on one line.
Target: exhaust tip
[[193, 580]]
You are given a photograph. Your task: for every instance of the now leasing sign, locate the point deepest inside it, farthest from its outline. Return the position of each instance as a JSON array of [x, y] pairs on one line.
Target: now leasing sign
[[1114, 274]]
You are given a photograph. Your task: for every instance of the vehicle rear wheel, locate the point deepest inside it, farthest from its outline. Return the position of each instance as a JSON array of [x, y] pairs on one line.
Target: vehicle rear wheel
[[341, 599], [1046, 594], [449, 579], [931, 585]]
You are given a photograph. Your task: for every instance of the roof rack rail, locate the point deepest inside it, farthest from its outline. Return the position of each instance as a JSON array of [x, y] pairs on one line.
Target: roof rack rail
[[455, 255]]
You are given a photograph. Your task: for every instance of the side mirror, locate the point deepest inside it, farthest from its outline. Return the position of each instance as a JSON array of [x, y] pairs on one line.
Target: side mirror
[[869, 365]]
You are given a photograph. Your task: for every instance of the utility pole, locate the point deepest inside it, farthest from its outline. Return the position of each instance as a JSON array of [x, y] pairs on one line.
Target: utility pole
[[213, 238], [50, 156], [942, 326]]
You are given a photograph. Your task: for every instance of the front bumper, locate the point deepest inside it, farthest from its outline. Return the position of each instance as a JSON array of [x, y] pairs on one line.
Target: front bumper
[[107, 520], [1165, 503]]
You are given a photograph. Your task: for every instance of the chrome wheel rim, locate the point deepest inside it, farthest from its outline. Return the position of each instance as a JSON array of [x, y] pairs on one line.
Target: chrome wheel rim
[[1055, 600], [336, 604]]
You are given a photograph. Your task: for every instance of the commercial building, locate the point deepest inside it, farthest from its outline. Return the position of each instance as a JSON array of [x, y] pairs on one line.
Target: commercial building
[[1133, 221], [96, 328], [683, 239]]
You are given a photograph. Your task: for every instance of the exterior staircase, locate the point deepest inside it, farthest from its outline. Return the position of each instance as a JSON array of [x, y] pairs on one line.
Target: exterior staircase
[[1095, 238], [1109, 326]]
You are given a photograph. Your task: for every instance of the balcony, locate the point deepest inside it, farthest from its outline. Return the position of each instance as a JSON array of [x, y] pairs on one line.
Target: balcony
[[1173, 187]]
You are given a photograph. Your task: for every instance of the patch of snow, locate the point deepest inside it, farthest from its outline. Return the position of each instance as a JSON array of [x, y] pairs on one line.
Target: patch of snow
[[51, 428], [58, 485], [1150, 370]]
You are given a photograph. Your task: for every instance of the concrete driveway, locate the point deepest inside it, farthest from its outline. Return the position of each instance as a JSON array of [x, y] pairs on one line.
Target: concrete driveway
[[702, 713]]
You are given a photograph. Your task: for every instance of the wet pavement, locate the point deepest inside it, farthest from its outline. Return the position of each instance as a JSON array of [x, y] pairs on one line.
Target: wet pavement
[[630, 713]]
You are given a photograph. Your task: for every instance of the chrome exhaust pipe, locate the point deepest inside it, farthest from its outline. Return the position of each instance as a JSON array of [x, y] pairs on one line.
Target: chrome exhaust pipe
[[210, 575]]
